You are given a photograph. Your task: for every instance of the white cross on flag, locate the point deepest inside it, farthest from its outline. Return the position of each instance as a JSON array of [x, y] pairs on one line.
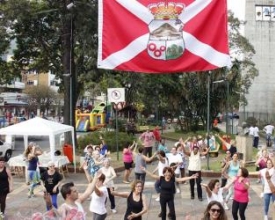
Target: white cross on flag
[[162, 36]]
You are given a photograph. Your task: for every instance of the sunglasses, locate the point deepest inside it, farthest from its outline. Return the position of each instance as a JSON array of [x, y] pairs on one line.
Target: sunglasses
[[215, 210]]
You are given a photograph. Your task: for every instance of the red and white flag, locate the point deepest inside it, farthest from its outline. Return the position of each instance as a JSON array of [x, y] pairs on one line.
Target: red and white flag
[[162, 36]]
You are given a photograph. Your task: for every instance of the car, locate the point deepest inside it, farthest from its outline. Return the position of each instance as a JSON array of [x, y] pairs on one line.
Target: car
[[234, 115], [5, 150]]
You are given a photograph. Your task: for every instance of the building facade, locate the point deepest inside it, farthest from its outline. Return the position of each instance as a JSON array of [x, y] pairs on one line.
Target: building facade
[[260, 31]]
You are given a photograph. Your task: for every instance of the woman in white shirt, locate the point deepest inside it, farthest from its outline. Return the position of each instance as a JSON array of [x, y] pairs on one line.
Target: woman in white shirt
[[214, 192], [194, 167], [267, 191], [110, 174], [99, 196], [163, 162]]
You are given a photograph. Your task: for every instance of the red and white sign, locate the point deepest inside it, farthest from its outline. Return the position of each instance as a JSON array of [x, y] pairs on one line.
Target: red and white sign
[[154, 36]]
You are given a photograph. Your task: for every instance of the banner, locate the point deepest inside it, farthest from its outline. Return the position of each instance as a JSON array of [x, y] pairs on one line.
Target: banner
[[154, 36]]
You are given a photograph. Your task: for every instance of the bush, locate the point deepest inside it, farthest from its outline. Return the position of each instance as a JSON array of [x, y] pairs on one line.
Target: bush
[[251, 121], [109, 138], [121, 124]]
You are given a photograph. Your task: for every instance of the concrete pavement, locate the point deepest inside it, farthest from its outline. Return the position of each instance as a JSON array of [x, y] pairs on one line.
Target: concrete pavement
[[19, 207]]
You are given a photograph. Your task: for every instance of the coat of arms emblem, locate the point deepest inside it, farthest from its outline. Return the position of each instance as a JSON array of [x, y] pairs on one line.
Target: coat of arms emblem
[[165, 40]]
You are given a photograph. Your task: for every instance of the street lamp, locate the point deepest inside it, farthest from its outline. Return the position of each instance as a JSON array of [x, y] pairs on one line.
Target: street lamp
[[71, 71]]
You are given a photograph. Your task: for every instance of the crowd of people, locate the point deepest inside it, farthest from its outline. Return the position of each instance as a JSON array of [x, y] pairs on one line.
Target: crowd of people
[[180, 164]]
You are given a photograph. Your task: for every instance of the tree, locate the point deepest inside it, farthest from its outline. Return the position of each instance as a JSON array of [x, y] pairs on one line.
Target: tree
[[41, 97], [51, 37]]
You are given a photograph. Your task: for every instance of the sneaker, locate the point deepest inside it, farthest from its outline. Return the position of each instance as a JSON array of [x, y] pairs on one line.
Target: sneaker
[[200, 199], [192, 197], [114, 211], [159, 215], [265, 217], [2, 216], [157, 199], [262, 195], [178, 190], [225, 206], [126, 182]]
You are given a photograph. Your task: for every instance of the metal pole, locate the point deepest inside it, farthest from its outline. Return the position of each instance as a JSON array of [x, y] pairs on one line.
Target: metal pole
[[117, 153], [227, 103], [71, 102], [71, 83], [208, 116], [232, 122]]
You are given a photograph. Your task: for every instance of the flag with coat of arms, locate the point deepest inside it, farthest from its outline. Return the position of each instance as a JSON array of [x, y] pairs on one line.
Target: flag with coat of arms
[[163, 36]]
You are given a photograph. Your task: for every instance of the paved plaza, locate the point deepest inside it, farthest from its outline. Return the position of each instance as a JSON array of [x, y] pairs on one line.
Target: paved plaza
[[21, 207]]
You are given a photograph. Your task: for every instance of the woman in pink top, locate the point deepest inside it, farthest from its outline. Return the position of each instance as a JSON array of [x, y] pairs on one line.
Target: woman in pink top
[[241, 187], [128, 161]]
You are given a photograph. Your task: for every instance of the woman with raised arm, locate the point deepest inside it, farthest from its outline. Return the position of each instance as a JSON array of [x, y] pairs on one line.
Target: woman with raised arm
[[225, 160], [31, 154], [163, 162], [136, 201], [230, 146], [241, 186], [194, 167], [267, 191], [168, 189], [128, 161], [230, 171], [214, 192], [98, 193], [88, 160], [140, 161]]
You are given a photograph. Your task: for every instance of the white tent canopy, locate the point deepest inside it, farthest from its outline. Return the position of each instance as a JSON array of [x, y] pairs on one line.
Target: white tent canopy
[[40, 127]]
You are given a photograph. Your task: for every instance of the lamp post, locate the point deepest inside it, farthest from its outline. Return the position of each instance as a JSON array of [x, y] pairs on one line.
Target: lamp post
[[71, 74]]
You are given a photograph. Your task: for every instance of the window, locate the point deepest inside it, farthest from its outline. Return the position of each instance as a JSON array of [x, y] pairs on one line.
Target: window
[[265, 12]]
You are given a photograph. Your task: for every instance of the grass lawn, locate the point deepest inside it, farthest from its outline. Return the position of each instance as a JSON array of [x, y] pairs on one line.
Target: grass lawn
[[114, 162], [214, 162]]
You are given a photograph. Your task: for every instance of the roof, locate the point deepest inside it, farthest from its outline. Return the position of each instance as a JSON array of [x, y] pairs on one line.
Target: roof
[[36, 127]]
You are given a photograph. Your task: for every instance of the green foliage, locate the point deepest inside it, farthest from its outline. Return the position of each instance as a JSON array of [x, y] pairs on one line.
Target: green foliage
[[251, 121], [109, 138], [121, 124], [46, 30], [41, 96]]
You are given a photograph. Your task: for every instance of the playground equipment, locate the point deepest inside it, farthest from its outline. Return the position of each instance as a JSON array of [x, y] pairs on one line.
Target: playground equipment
[[215, 152], [93, 120]]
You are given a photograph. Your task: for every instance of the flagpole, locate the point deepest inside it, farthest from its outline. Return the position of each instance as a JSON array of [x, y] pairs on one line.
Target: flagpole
[[208, 116]]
